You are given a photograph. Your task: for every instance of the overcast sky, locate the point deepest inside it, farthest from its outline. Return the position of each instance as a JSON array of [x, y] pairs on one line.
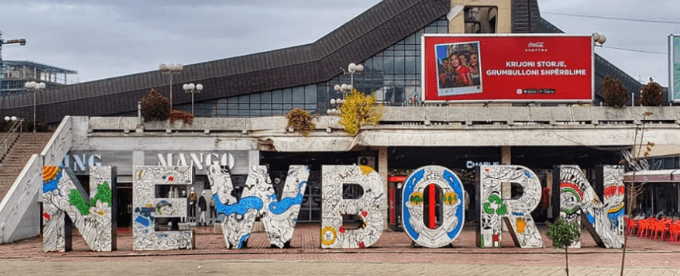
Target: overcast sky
[[102, 39]]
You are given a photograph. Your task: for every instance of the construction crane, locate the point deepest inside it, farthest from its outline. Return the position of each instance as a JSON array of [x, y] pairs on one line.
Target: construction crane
[[19, 41]]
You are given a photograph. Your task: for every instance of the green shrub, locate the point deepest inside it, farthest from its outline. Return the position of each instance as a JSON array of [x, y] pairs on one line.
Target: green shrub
[[652, 94], [155, 107], [613, 92], [300, 120], [186, 117], [563, 234]]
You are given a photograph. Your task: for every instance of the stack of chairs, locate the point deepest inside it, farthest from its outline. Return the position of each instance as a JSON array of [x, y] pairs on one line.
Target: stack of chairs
[[661, 228], [631, 226], [674, 230], [645, 227], [656, 229]]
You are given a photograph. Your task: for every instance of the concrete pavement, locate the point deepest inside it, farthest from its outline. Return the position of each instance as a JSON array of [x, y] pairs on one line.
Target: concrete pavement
[[392, 254]]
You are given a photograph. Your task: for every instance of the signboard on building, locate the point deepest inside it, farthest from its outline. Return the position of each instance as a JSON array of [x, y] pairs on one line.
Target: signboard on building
[[674, 66], [483, 68], [80, 161]]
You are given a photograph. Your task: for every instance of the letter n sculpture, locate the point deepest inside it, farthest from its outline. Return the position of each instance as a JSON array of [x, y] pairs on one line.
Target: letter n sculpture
[[604, 220], [65, 202]]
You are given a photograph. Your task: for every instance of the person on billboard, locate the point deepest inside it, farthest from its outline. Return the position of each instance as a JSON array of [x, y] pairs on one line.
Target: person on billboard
[[474, 69], [443, 65], [462, 72], [448, 76], [464, 57]]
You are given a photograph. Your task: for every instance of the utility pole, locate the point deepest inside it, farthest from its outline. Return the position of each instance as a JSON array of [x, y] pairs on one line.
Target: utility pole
[[19, 41]]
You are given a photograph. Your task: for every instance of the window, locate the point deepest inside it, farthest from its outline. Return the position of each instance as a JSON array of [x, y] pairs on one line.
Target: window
[[393, 74]]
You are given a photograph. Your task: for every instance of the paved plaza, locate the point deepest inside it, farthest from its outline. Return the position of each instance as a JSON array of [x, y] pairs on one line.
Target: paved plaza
[[391, 255]]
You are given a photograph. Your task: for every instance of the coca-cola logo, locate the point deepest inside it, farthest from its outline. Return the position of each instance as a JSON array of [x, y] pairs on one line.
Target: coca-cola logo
[[536, 47], [535, 44]]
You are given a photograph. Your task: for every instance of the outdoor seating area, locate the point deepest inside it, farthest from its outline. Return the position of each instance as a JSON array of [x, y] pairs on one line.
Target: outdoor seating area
[[663, 229]]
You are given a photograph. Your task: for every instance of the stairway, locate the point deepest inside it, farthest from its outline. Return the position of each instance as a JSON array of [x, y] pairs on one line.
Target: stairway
[[25, 146]]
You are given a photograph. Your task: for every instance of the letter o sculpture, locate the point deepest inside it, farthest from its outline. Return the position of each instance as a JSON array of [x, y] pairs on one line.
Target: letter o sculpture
[[412, 207]]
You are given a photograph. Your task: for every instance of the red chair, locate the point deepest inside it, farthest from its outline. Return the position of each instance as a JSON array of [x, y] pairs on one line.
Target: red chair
[[674, 230], [660, 229], [643, 228], [631, 226]]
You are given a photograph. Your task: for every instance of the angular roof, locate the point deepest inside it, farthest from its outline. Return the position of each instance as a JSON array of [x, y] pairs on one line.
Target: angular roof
[[364, 36]]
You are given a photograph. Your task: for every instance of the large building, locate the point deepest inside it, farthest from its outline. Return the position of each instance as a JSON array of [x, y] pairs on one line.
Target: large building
[[385, 39], [18, 73], [240, 116]]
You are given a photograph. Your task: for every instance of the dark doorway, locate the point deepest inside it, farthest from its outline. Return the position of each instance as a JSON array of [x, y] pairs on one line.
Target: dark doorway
[[124, 201]]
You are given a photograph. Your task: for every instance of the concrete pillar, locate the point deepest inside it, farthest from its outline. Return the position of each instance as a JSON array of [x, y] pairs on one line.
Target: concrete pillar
[[253, 158], [506, 159], [382, 171], [506, 156], [549, 184], [137, 158], [503, 14]]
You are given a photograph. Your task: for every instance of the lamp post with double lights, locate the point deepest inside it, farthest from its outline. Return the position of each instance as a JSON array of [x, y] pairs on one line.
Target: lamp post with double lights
[[599, 39], [351, 70], [13, 119], [335, 107], [191, 88], [35, 87], [344, 88], [171, 69]]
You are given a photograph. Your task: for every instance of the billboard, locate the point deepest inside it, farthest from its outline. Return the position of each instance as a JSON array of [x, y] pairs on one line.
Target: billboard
[[483, 68], [674, 66]]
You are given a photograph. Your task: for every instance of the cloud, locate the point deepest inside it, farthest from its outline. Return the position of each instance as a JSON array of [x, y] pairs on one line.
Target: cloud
[[111, 38], [631, 35], [102, 39]]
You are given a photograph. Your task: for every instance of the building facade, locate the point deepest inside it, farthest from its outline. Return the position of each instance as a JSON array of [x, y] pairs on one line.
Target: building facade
[[240, 122]]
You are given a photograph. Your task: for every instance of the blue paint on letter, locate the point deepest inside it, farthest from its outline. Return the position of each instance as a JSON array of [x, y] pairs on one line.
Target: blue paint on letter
[[458, 189], [243, 239], [409, 186], [278, 207], [240, 208]]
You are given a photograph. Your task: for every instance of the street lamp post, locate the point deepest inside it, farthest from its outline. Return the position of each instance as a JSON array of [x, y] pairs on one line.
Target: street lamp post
[[191, 88], [599, 39], [171, 69], [344, 88], [13, 119], [335, 107], [35, 86], [351, 70]]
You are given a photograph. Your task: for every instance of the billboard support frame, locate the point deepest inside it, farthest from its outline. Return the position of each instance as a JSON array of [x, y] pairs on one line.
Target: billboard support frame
[[671, 69]]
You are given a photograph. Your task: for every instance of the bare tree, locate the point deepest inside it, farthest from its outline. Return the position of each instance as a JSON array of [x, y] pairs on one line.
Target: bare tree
[[635, 189]]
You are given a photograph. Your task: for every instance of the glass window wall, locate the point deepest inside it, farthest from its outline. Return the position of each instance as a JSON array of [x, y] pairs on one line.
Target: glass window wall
[[393, 75]]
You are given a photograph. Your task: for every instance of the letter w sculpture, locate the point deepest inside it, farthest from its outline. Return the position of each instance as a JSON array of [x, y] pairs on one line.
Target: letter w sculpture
[[258, 200]]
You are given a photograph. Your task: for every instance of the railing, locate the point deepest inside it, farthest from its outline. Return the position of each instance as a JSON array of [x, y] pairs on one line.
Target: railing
[[25, 188], [9, 138]]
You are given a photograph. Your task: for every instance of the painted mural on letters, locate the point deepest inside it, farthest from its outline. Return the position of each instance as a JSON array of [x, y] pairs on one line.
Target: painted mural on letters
[[516, 213], [258, 200], [605, 221], [64, 196], [333, 234], [148, 209], [453, 214]]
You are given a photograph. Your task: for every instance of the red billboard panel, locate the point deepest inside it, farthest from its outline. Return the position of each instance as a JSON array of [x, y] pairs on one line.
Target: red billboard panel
[[555, 68]]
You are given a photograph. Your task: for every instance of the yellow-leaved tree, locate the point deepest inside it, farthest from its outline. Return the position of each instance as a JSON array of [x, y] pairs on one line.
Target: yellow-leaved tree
[[358, 110]]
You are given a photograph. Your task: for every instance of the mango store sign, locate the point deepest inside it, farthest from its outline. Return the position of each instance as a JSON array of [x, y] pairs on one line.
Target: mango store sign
[[64, 196]]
